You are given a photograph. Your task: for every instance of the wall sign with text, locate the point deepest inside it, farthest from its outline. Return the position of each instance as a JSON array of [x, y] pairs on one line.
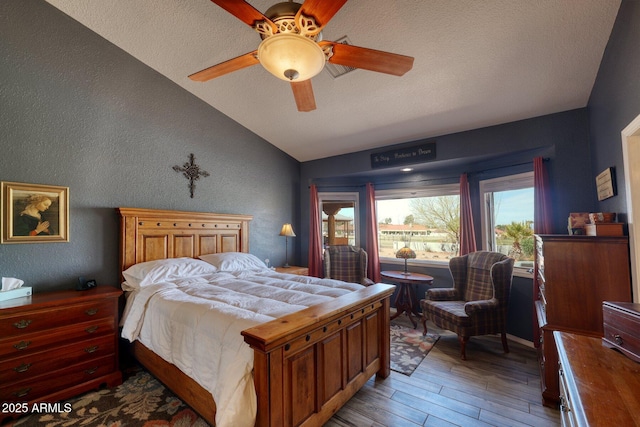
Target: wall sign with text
[[402, 156], [605, 184]]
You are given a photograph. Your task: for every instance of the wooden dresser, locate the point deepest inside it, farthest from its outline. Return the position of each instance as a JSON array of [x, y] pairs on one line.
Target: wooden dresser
[[575, 274], [598, 385], [55, 345]]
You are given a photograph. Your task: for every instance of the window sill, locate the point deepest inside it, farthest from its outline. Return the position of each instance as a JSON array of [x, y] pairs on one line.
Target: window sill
[[526, 273], [416, 263]]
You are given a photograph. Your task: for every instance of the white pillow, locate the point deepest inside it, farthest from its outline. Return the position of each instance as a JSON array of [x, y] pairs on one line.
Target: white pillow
[[234, 261], [146, 273]]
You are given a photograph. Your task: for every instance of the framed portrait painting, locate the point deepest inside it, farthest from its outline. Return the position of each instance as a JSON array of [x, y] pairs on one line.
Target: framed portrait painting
[[34, 213]]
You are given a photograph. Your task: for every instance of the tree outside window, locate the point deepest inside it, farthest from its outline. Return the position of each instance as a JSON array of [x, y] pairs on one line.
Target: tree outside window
[[428, 224]]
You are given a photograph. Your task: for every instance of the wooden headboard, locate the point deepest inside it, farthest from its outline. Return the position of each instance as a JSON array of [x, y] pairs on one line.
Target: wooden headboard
[[150, 234]]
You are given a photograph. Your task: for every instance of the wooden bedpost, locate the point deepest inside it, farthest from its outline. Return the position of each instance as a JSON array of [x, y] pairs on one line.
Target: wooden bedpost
[[309, 363]]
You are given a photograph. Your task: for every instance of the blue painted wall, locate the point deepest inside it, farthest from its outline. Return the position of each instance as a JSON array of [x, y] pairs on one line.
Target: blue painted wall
[[615, 101], [483, 154], [79, 112]]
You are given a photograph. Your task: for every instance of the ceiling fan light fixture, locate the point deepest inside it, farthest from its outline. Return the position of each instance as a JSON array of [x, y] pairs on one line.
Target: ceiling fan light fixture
[[291, 57]]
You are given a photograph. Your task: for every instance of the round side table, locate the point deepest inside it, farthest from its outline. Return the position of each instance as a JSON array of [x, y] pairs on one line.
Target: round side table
[[405, 295]]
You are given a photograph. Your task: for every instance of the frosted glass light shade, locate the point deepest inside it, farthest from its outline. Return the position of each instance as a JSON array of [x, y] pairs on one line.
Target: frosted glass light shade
[[291, 57]]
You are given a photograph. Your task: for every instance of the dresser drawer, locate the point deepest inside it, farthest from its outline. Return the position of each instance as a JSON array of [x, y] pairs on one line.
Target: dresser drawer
[[56, 380], [29, 366], [39, 320], [29, 343], [622, 328]]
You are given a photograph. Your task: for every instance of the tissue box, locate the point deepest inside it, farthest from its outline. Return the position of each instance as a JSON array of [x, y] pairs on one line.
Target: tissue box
[[24, 291]]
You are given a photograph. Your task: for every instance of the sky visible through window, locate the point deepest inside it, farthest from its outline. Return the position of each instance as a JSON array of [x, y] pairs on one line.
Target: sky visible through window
[[512, 205]]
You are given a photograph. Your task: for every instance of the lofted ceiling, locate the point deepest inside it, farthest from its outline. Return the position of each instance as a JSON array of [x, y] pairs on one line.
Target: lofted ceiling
[[477, 64]]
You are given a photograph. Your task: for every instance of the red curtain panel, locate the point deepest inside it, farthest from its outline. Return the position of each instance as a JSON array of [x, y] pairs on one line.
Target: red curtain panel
[[373, 265], [315, 237], [467, 232]]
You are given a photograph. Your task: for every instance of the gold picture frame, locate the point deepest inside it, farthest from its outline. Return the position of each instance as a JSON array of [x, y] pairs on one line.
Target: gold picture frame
[[34, 213]]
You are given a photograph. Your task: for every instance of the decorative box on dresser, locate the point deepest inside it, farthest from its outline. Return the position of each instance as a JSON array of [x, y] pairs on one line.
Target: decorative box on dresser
[[56, 345], [574, 276]]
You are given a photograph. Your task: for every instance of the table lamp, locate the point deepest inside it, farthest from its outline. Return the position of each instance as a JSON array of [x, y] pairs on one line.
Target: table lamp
[[406, 253], [287, 231]]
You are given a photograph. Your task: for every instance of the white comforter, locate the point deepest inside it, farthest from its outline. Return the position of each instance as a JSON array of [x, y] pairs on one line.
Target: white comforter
[[195, 324]]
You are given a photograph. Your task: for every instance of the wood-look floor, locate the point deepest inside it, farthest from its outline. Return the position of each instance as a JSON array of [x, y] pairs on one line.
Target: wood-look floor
[[490, 388]]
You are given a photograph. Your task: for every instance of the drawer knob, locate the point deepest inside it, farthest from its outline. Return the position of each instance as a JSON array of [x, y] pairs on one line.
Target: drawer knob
[[22, 345], [618, 339], [22, 324], [24, 367], [91, 371], [91, 329], [91, 311], [22, 392], [91, 349]]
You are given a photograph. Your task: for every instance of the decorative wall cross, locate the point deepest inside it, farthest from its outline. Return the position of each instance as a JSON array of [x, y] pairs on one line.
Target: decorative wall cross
[[192, 172]]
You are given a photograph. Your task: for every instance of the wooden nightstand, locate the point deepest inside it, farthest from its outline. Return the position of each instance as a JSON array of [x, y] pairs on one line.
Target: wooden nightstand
[[56, 345], [293, 269]]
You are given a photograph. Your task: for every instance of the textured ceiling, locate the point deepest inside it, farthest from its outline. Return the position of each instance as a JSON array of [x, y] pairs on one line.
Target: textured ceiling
[[477, 63]]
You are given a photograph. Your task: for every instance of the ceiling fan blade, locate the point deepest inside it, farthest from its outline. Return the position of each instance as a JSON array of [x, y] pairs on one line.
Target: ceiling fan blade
[[321, 10], [244, 12], [369, 59], [303, 94], [235, 64]]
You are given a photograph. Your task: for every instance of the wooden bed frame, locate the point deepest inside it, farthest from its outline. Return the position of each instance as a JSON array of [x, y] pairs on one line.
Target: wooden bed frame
[[306, 364]]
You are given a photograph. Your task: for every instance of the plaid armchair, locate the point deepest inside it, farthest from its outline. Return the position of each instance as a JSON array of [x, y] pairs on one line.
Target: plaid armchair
[[478, 302], [347, 263]]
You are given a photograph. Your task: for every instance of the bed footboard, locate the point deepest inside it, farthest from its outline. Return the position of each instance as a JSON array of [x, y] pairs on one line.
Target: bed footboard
[[309, 363]]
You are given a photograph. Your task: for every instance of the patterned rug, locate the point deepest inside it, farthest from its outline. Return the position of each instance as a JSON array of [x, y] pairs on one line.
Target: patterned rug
[[409, 347], [140, 401]]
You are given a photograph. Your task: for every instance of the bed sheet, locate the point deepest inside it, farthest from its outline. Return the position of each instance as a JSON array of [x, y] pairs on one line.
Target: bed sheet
[[196, 323]]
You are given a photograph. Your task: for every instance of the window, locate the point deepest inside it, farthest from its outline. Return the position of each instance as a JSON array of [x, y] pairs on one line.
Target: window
[[427, 220], [507, 217], [339, 218]]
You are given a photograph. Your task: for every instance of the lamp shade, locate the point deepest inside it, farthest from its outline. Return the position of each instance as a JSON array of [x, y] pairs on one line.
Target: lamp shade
[[287, 230], [291, 57], [406, 253]]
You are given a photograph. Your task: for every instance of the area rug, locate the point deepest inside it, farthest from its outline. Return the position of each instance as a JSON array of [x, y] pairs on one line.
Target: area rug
[[409, 347], [140, 401]]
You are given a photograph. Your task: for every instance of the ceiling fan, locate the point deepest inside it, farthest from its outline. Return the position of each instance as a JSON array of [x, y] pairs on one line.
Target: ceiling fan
[[292, 48]]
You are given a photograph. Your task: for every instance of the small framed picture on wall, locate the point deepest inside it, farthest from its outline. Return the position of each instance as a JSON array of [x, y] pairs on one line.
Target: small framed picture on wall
[[34, 213], [605, 184]]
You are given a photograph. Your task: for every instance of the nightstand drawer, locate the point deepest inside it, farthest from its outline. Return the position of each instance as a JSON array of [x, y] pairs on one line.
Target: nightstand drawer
[[40, 320], [23, 367], [29, 343]]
